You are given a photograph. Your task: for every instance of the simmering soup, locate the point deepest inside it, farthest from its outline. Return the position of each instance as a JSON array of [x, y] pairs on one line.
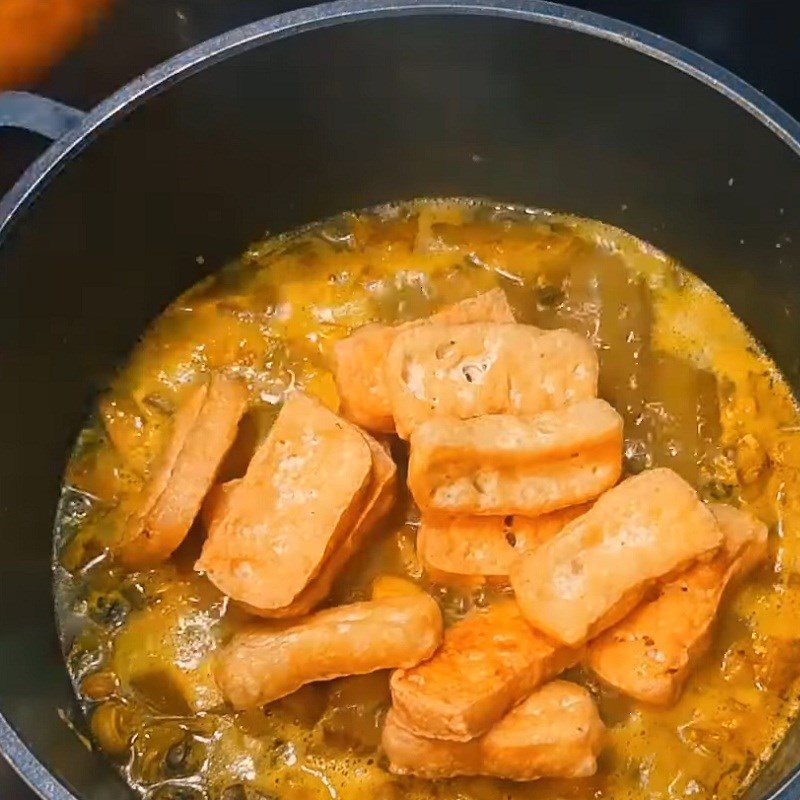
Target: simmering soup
[[234, 593]]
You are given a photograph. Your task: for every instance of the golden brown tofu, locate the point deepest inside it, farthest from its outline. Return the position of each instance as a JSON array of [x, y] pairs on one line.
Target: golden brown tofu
[[502, 464], [555, 733], [303, 492], [485, 368], [266, 662], [360, 358], [600, 566], [650, 654], [380, 498], [744, 545], [488, 662], [216, 502], [358, 368], [481, 549], [203, 430]]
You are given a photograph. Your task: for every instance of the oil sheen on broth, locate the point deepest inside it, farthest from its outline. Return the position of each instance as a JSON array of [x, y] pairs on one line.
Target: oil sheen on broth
[[696, 394]]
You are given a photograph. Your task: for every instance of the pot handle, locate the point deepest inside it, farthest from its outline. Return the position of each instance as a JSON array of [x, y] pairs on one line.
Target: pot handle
[[32, 112]]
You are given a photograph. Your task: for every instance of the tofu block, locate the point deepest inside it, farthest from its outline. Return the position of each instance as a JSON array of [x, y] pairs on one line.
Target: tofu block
[[204, 428], [216, 502], [304, 491], [501, 464], [554, 733], [358, 364], [485, 368], [267, 662], [601, 565], [744, 543], [488, 662], [381, 495], [475, 550], [360, 358], [650, 654]]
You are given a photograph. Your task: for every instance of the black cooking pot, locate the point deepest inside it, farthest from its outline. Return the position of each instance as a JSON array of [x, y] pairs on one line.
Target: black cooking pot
[[307, 114]]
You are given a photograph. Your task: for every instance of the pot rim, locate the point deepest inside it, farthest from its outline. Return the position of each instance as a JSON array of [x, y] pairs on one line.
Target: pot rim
[[246, 37]]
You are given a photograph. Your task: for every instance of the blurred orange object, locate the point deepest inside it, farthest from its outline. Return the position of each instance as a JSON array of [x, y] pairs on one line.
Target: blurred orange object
[[34, 34]]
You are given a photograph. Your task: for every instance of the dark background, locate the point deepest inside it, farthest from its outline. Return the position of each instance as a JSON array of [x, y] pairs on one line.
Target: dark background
[[757, 39]]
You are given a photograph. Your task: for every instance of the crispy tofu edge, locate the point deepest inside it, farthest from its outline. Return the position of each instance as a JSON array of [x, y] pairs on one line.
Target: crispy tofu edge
[[425, 464], [348, 519], [476, 756], [381, 496], [225, 662], [626, 601], [490, 306], [431, 715], [142, 546], [736, 559], [407, 419]]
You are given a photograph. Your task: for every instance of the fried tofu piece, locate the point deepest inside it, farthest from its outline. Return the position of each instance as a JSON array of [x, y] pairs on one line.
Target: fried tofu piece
[[650, 654], [486, 368], [555, 733], [381, 495], [204, 428], [304, 491], [358, 363], [745, 539], [380, 498], [502, 464], [477, 550], [360, 358], [488, 662], [216, 502], [266, 662], [601, 565]]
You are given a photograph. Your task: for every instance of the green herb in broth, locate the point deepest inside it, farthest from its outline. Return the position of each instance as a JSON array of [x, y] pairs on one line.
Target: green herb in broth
[[695, 392]]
